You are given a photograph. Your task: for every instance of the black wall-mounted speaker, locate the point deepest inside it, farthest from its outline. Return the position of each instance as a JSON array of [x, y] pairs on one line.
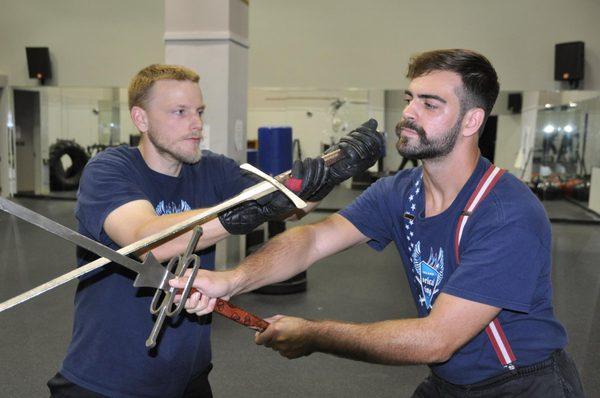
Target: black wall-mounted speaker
[[38, 63], [569, 61], [515, 102]]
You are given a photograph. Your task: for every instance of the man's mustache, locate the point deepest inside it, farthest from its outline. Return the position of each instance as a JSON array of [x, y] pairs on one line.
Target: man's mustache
[[409, 124]]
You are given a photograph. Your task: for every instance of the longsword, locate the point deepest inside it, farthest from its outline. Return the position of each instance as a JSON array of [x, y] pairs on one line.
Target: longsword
[[254, 192], [150, 272]]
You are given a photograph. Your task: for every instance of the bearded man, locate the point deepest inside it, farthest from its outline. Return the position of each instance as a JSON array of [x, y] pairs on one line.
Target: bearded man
[[474, 241], [129, 193]]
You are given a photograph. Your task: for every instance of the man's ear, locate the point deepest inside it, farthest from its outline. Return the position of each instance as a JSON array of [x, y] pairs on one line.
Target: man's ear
[[472, 121], [140, 119]]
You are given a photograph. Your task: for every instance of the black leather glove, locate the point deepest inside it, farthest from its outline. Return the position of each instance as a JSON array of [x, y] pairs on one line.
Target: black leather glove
[[313, 180], [246, 216], [308, 177], [361, 147]]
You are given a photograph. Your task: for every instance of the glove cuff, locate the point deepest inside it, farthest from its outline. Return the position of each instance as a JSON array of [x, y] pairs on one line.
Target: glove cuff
[[322, 192], [241, 219]]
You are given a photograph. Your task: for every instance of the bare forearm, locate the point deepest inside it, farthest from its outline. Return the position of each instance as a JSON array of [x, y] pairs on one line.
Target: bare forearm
[[212, 232], [282, 257], [452, 323], [395, 342], [294, 251]]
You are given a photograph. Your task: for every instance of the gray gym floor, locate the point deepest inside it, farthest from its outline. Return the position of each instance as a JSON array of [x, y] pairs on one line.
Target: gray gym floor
[[358, 285]]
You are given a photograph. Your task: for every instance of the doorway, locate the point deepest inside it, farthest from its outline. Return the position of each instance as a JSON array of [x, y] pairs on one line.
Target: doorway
[[27, 128]]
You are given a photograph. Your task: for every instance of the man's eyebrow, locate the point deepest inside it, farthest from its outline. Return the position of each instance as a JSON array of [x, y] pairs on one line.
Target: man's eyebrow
[[202, 107], [427, 96]]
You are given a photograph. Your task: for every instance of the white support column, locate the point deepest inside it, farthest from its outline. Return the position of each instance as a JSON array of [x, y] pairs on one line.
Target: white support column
[[7, 158], [211, 37]]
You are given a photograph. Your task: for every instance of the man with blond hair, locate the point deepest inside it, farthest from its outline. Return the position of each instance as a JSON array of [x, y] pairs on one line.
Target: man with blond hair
[[127, 194]]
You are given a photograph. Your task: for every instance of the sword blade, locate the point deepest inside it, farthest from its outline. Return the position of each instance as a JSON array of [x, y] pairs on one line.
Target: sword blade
[[61, 280], [259, 190], [255, 192], [68, 234]]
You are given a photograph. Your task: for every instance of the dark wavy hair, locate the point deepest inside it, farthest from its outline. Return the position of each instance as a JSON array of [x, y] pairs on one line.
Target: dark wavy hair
[[479, 78]]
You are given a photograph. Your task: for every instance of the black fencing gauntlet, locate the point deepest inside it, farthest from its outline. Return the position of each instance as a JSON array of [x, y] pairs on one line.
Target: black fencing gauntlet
[[310, 179], [361, 148]]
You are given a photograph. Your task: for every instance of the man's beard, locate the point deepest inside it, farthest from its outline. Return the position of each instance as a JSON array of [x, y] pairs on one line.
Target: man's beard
[[163, 148], [426, 148]]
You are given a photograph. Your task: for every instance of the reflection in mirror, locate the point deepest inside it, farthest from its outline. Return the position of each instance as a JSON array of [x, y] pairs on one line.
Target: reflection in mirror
[[553, 148], [64, 127], [551, 140], [318, 117], [566, 150]]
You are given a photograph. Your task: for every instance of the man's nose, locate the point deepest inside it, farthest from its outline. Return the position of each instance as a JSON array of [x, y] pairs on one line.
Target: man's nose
[[409, 111], [196, 123]]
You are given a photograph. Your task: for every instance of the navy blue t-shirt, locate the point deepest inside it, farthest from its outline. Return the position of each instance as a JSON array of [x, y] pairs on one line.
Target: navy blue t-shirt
[[504, 262], [112, 321]]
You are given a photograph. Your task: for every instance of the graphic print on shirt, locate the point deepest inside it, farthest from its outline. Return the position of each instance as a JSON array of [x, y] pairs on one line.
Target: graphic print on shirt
[[428, 274], [171, 207]]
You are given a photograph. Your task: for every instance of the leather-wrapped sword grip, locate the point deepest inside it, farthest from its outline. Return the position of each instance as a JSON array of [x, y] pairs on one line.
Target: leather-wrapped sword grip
[[241, 316]]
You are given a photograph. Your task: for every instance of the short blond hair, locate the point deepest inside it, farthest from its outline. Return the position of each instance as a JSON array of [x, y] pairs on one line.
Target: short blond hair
[[141, 84]]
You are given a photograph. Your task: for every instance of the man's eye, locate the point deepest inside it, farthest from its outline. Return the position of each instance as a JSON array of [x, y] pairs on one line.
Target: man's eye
[[200, 113], [180, 112], [430, 106], [407, 99]]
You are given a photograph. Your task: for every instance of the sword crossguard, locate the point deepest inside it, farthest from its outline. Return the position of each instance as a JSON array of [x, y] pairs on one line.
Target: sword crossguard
[[163, 300], [299, 203], [169, 295]]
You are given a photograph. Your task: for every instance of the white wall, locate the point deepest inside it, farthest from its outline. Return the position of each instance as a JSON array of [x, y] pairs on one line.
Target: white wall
[[92, 43], [353, 43], [309, 43], [330, 44]]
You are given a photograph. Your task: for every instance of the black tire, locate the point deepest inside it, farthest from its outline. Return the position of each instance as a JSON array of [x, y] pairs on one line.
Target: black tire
[[61, 179]]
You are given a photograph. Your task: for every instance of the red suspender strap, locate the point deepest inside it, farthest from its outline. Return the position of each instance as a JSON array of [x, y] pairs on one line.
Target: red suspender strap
[[494, 329]]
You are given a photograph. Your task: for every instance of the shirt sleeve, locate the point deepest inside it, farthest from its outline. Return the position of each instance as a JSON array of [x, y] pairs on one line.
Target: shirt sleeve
[[104, 186], [500, 263], [370, 214], [233, 179]]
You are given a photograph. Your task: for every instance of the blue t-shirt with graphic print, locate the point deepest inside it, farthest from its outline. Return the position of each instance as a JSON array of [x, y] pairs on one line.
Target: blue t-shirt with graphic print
[[504, 262], [107, 353]]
